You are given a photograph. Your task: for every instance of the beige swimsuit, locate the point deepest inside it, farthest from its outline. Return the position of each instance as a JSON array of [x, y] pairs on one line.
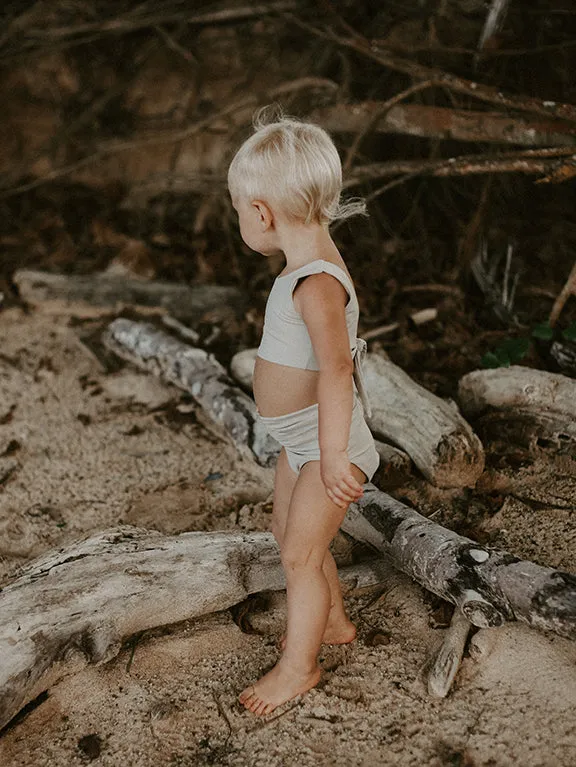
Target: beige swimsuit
[[286, 341]]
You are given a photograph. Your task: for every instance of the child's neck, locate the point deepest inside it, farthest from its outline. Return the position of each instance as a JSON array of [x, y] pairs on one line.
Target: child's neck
[[303, 243]]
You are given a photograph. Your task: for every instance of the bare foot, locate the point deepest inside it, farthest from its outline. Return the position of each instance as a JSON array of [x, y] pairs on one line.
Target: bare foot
[[341, 632], [276, 687]]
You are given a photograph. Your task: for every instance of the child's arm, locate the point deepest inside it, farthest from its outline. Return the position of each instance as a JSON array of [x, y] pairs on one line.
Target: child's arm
[[321, 301]]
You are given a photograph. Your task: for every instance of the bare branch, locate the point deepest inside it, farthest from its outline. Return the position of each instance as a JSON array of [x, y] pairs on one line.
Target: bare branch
[[447, 80], [441, 123]]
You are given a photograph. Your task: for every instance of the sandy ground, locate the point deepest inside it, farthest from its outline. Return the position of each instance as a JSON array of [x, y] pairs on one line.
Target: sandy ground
[[85, 446]]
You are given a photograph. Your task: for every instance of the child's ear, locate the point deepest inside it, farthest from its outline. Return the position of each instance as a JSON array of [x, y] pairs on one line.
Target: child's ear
[[265, 215]]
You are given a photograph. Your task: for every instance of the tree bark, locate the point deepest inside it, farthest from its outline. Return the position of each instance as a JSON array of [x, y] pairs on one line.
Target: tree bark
[[443, 123], [198, 373], [488, 586], [95, 295], [433, 433], [76, 605], [395, 465], [522, 404]]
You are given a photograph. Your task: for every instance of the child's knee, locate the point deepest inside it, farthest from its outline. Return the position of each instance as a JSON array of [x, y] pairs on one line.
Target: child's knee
[[299, 556]]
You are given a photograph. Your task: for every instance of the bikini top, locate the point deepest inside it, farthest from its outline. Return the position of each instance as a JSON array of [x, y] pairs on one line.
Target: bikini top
[[285, 338]]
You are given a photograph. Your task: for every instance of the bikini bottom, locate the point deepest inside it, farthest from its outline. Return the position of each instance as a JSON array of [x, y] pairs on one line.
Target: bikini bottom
[[297, 432]]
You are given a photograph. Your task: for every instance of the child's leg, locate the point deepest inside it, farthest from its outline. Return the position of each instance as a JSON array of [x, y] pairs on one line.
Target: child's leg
[[339, 629], [313, 521]]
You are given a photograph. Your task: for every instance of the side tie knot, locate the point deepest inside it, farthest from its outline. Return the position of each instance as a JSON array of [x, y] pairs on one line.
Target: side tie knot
[[359, 356]]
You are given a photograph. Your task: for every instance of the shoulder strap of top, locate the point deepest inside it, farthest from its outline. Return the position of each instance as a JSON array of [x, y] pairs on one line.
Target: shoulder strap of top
[[317, 267]]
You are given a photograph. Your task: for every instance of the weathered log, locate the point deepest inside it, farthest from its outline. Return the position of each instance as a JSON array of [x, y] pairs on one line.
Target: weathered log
[[94, 295], [547, 161], [433, 433], [489, 586], [242, 367], [443, 123], [76, 606], [520, 403], [198, 373], [395, 465]]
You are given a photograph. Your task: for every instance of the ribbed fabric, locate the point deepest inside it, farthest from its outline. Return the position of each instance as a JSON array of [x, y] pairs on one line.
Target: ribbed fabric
[[297, 432], [285, 338]]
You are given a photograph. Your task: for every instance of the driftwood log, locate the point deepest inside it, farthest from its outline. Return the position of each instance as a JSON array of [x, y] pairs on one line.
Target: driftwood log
[[564, 353], [528, 406], [76, 606], [443, 123], [94, 295], [489, 586], [447, 662], [432, 432], [395, 465], [79, 604], [198, 373]]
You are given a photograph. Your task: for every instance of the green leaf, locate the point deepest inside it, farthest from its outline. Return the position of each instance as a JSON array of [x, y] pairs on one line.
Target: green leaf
[[513, 350], [502, 356], [543, 331], [569, 333], [490, 360]]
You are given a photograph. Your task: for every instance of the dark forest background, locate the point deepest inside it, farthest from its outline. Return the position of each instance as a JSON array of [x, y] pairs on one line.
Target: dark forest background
[[456, 120]]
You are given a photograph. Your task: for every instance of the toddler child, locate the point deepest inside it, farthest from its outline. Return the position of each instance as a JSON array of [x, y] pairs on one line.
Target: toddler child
[[285, 182]]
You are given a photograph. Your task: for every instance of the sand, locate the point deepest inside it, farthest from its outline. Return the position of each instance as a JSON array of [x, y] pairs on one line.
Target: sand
[[86, 444]]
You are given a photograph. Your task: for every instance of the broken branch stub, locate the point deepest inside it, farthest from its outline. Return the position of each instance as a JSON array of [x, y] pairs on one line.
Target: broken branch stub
[[489, 586], [198, 373], [445, 665], [433, 433]]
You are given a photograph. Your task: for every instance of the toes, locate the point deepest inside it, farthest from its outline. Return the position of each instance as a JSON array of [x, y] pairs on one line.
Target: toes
[[247, 694], [254, 705]]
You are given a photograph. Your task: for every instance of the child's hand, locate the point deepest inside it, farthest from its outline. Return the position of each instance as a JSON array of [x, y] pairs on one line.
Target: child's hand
[[341, 485]]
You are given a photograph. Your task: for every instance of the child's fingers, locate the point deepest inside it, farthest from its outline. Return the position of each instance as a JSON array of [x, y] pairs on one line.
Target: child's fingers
[[341, 494], [348, 494], [341, 504], [353, 484]]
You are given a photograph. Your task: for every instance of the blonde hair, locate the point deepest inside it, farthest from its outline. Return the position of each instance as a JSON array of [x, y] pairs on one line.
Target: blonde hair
[[294, 166]]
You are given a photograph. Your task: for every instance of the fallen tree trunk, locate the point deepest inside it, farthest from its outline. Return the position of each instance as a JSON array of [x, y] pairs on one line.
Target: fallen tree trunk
[[488, 586], [76, 606], [433, 433], [198, 373], [529, 406], [430, 431], [395, 465], [95, 295], [443, 123], [551, 162]]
